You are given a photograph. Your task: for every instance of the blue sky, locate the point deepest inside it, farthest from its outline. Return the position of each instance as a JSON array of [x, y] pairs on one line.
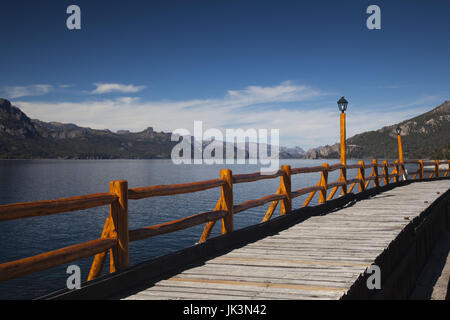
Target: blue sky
[[258, 64]]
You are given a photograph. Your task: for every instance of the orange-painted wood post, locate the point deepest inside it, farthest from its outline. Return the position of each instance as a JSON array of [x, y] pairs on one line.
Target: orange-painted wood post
[[361, 176], [99, 259], [376, 181], [436, 168], [343, 138], [227, 200], [343, 178], [285, 184], [385, 172], [421, 169], [396, 172], [400, 148], [119, 255], [323, 183]]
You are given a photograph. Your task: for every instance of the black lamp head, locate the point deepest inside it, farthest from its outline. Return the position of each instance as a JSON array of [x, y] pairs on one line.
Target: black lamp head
[[342, 104], [399, 130]]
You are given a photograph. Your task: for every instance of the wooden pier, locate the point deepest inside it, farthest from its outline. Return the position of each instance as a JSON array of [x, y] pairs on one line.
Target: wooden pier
[[320, 258], [312, 252]]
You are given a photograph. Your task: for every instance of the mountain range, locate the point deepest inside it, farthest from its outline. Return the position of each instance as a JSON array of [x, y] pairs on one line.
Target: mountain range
[[25, 138], [424, 136]]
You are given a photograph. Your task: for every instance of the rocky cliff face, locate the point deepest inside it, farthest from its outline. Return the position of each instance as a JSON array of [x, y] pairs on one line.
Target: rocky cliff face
[[426, 123], [14, 122], [295, 153]]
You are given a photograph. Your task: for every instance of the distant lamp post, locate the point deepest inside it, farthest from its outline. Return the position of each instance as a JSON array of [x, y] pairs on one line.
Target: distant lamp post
[[399, 140], [400, 153], [342, 105]]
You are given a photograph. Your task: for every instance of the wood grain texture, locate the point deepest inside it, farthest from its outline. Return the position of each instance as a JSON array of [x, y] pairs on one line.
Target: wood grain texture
[[119, 254], [227, 200]]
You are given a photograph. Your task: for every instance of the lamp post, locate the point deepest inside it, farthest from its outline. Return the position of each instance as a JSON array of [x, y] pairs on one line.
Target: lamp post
[[400, 151], [399, 140], [342, 105]]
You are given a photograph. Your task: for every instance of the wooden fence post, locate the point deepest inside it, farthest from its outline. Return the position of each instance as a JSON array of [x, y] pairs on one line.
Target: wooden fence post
[[386, 172], [344, 179], [448, 168], [227, 200], [285, 184], [421, 169], [436, 168], [119, 255], [397, 172], [323, 183], [361, 176], [375, 173]]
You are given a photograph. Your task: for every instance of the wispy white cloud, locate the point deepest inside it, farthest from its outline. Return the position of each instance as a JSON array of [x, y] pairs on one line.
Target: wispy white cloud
[[286, 91], [304, 126], [102, 88], [13, 92]]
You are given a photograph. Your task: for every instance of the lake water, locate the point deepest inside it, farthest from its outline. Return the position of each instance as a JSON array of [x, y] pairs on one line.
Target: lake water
[[32, 180]]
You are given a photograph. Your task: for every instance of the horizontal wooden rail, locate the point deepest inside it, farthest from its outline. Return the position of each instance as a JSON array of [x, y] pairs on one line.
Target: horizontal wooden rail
[[250, 177], [356, 180], [335, 167], [336, 184], [307, 170], [171, 226], [302, 191], [168, 190], [22, 267], [47, 207], [257, 202], [429, 163], [354, 166]]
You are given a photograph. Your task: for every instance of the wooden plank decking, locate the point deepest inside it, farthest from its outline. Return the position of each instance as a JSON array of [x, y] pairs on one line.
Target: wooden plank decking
[[319, 258]]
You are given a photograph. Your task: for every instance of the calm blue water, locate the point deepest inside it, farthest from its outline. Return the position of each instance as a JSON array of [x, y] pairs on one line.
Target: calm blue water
[[31, 180]]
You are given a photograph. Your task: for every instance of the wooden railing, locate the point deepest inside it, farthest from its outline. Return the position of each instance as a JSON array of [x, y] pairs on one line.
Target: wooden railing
[[116, 235]]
